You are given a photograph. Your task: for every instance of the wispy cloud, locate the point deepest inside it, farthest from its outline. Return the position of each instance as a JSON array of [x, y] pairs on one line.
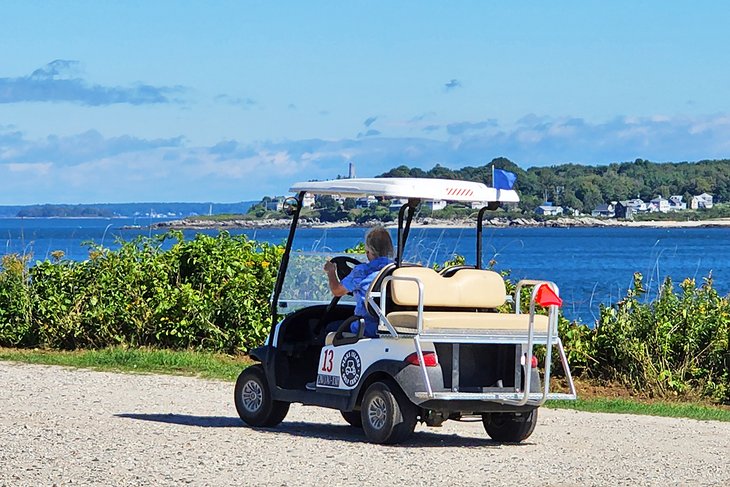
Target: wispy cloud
[[89, 167], [245, 103], [452, 85], [75, 149], [462, 127], [58, 81], [369, 133]]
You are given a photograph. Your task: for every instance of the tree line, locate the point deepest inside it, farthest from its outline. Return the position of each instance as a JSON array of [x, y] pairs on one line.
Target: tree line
[[585, 187]]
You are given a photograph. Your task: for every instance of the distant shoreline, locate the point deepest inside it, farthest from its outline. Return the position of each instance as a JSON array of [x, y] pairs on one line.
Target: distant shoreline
[[580, 222]]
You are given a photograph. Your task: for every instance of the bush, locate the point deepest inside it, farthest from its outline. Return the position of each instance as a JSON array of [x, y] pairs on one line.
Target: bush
[[677, 344], [208, 293]]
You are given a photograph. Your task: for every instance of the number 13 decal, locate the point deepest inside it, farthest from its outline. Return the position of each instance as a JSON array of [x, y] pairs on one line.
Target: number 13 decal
[[329, 356]]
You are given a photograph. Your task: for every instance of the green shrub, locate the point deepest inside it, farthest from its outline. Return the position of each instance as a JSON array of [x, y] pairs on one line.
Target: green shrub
[[676, 344], [207, 293], [15, 302]]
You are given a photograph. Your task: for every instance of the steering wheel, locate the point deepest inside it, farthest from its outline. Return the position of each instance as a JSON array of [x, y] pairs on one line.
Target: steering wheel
[[344, 264]]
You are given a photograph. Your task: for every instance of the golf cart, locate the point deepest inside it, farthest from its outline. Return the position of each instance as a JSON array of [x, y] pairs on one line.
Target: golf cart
[[444, 351]]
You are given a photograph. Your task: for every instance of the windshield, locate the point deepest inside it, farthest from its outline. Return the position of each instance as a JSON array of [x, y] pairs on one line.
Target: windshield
[[305, 283]]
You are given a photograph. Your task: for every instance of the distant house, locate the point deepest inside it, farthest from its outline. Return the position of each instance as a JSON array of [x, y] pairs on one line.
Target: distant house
[[549, 210], [703, 201], [628, 208], [659, 204], [676, 203], [275, 204], [365, 202], [606, 210], [308, 200], [624, 210], [396, 204], [435, 205]]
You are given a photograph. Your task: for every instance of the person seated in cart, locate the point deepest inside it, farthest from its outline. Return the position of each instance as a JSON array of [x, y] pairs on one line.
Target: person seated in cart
[[379, 252]]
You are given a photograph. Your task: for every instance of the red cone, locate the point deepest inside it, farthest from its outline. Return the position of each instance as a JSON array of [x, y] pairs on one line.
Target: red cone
[[547, 297]]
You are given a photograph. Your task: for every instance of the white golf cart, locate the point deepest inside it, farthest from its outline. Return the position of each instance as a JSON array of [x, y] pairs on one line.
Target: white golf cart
[[443, 351]]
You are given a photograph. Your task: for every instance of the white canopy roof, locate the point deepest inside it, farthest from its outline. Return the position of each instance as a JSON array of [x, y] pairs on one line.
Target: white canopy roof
[[423, 188]]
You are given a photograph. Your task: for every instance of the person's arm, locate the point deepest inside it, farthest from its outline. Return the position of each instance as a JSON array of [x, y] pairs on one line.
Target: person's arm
[[335, 285]]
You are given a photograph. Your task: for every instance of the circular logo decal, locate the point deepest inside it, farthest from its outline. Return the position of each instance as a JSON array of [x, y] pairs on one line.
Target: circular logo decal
[[350, 368]]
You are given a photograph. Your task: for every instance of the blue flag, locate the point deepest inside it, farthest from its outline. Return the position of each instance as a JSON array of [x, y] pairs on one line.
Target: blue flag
[[503, 179]]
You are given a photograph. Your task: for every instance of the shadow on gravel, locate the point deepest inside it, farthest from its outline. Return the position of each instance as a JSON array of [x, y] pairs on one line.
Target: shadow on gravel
[[186, 420], [339, 432], [348, 433]]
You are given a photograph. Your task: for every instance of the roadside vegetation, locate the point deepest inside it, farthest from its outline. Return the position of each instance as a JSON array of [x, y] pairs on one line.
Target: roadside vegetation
[[207, 365], [209, 295]]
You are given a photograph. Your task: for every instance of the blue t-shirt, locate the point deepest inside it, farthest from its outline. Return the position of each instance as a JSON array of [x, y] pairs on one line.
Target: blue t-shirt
[[357, 282]]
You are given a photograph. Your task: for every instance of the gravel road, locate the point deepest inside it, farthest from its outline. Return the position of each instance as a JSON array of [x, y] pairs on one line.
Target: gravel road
[[61, 426]]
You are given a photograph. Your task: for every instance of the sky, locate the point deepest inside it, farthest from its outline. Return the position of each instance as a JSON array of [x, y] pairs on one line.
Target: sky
[[123, 101]]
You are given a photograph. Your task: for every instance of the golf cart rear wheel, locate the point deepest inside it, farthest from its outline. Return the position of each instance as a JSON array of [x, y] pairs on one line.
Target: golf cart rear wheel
[[510, 427], [386, 413], [353, 418], [253, 399]]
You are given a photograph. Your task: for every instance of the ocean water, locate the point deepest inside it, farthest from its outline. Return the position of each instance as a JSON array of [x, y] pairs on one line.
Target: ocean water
[[590, 265]]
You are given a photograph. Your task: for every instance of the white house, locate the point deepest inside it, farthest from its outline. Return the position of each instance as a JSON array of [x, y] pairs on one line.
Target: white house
[[365, 202], [308, 200], [549, 210], [637, 205], [435, 205], [396, 204], [676, 203], [659, 204], [703, 201]]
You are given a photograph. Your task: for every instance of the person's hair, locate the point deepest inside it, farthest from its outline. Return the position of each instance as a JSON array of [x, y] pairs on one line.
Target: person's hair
[[378, 242]]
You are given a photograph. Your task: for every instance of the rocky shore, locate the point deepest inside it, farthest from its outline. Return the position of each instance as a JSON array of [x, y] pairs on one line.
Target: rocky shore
[[436, 223]]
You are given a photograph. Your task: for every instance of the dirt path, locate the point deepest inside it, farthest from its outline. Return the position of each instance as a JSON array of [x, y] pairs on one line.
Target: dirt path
[[62, 426]]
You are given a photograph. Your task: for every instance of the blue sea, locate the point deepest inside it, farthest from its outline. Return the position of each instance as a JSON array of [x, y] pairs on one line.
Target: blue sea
[[590, 265]]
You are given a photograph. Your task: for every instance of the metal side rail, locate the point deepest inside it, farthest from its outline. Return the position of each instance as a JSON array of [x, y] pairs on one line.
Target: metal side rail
[[484, 336], [534, 398], [513, 397], [516, 398]]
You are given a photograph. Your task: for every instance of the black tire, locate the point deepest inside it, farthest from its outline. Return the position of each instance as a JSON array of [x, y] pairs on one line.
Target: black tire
[[253, 399], [386, 413], [510, 427], [353, 418]]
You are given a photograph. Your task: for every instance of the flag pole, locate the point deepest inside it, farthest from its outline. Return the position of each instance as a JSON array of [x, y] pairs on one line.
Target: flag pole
[[493, 175]]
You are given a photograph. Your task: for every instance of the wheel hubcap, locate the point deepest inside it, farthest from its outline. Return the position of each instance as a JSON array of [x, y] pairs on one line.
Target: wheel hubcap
[[377, 412], [252, 396]]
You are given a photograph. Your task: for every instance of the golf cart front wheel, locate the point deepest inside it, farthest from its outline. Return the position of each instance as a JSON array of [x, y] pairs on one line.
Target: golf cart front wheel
[[386, 413], [253, 399]]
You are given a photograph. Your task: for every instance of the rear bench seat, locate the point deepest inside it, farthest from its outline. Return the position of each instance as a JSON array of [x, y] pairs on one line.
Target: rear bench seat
[[462, 301]]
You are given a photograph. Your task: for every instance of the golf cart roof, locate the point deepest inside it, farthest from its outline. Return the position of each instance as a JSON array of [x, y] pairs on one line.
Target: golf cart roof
[[421, 188]]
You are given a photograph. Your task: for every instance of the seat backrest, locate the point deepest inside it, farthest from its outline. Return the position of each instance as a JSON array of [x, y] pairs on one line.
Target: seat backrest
[[467, 288]]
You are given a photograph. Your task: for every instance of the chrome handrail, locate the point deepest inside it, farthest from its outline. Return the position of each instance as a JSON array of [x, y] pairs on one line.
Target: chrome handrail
[[552, 339]]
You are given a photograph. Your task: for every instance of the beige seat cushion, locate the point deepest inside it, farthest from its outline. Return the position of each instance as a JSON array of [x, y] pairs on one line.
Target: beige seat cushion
[[468, 288], [467, 320], [331, 336]]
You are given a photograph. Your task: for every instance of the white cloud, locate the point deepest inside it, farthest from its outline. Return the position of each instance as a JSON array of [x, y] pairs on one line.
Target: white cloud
[[58, 81], [89, 167], [37, 168]]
